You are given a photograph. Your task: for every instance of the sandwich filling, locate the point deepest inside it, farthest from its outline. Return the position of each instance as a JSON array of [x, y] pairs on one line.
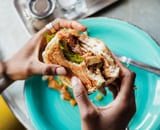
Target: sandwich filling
[[88, 53]]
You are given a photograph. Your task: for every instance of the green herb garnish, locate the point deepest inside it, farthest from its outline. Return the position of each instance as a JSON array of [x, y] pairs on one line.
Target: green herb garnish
[[76, 58]]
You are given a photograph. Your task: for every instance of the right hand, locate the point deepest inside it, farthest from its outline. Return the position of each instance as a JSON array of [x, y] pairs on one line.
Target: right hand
[[114, 116]]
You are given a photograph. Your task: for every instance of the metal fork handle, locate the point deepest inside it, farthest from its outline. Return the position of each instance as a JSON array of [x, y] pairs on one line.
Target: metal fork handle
[[138, 64]]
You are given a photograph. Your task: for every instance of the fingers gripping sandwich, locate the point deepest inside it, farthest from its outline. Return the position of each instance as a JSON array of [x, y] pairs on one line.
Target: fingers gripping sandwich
[[85, 57]]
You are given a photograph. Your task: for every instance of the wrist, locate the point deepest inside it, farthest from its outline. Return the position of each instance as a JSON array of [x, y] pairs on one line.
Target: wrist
[[5, 81]]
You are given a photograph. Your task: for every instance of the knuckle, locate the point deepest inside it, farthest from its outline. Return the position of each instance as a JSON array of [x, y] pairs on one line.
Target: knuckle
[[89, 114], [78, 95], [57, 20], [130, 74], [133, 74], [56, 23], [29, 66], [47, 70]]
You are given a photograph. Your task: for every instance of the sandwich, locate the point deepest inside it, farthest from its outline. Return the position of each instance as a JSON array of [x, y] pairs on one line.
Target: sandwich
[[83, 56]]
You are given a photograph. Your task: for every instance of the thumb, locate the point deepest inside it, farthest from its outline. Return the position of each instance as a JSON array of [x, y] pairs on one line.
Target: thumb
[[48, 69], [80, 94]]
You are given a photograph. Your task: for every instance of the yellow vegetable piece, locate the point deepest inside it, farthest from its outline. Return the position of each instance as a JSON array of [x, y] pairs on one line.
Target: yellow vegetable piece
[[73, 102], [99, 97]]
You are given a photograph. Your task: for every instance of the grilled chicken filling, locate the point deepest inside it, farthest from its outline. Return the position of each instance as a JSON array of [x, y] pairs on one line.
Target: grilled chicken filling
[[86, 57], [75, 51]]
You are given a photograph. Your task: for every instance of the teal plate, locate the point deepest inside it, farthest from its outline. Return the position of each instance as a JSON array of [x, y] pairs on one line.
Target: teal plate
[[48, 111]]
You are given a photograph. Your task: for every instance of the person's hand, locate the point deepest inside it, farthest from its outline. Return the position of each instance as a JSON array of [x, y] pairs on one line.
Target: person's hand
[[114, 116], [27, 61]]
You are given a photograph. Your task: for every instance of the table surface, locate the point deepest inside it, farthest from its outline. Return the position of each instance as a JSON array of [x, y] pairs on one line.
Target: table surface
[[142, 13]]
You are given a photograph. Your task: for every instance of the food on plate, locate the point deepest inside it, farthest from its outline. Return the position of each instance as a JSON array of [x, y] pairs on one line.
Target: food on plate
[[55, 83], [99, 97], [86, 57]]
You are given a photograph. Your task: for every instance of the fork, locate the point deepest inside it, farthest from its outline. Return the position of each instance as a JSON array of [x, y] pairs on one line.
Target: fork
[[138, 64]]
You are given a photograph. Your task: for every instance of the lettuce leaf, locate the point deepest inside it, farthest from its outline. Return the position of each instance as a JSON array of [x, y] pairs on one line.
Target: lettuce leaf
[[76, 58], [49, 37]]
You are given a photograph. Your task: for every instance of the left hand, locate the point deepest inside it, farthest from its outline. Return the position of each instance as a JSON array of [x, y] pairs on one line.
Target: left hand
[[27, 61]]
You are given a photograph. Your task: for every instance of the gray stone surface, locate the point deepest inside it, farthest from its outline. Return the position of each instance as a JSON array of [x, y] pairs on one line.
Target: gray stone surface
[[142, 13]]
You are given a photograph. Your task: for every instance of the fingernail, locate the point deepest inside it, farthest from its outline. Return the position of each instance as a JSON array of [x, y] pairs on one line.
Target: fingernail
[[74, 81], [61, 71]]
